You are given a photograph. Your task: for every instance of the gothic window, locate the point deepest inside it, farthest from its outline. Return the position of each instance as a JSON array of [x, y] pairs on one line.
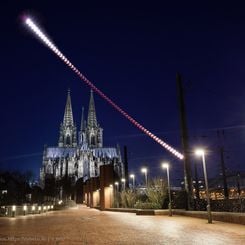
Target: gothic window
[[68, 140], [92, 140], [49, 169]]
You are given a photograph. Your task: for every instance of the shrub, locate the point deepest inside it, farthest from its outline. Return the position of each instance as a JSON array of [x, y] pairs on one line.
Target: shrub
[[152, 197], [156, 193], [128, 198]]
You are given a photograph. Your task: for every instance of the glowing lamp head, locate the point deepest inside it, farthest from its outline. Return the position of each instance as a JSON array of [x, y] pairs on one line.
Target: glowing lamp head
[[111, 185], [132, 176], [165, 165], [33, 208], [199, 152], [116, 183], [123, 180], [39, 208], [13, 208], [25, 208], [144, 170]]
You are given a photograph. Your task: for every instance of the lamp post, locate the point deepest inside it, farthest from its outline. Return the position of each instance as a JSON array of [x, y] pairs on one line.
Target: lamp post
[[166, 165], [13, 210], [24, 209], [123, 181], [201, 152], [33, 209], [144, 170], [133, 177], [116, 184]]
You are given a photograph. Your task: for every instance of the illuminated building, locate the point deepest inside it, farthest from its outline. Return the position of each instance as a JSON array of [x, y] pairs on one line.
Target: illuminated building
[[79, 156]]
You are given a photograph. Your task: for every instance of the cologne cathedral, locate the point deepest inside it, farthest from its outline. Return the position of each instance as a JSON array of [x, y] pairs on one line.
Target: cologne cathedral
[[79, 155]]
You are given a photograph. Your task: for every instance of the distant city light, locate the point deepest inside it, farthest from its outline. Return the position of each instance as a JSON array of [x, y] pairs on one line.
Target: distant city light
[[25, 208], [13, 208], [30, 23]]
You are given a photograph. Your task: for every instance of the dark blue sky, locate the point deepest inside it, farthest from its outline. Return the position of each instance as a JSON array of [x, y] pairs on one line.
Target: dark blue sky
[[132, 53]]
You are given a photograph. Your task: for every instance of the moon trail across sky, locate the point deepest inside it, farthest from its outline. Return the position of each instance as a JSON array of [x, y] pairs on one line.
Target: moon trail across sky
[[37, 31]]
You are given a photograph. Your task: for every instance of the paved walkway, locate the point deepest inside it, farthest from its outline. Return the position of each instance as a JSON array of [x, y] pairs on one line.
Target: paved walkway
[[90, 226]]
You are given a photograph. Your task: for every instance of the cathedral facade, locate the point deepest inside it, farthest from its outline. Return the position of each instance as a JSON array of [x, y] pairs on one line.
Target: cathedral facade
[[79, 155]]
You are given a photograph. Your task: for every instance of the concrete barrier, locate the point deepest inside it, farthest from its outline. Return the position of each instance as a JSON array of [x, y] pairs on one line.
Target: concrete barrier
[[123, 210], [145, 212], [237, 218]]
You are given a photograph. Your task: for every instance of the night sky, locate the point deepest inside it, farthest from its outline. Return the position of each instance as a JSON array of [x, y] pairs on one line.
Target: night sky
[[132, 53]]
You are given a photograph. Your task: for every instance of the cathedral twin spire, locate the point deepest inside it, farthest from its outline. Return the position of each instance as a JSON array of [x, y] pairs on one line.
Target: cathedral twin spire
[[68, 131], [91, 133], [92, 120], [68, 116]]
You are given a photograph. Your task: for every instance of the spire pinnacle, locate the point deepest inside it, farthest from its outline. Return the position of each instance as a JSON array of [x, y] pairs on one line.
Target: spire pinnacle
[[92, 121], [68, 116]]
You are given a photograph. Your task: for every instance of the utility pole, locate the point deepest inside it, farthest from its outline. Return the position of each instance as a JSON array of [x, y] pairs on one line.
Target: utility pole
[[238, 184], [196, 184], [223, 169], [185, 142], [125, 151]]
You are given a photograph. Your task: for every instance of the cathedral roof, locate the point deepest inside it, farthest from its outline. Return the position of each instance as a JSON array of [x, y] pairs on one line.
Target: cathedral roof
[[53, 152], [56, 152], [109, 152]]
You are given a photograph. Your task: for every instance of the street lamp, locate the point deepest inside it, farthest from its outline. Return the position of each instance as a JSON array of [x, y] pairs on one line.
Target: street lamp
[[201, 152], [166, 165], [133, 177], [123, 181], [24, 209], [33, 209], [13, 210], [144, 170]]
